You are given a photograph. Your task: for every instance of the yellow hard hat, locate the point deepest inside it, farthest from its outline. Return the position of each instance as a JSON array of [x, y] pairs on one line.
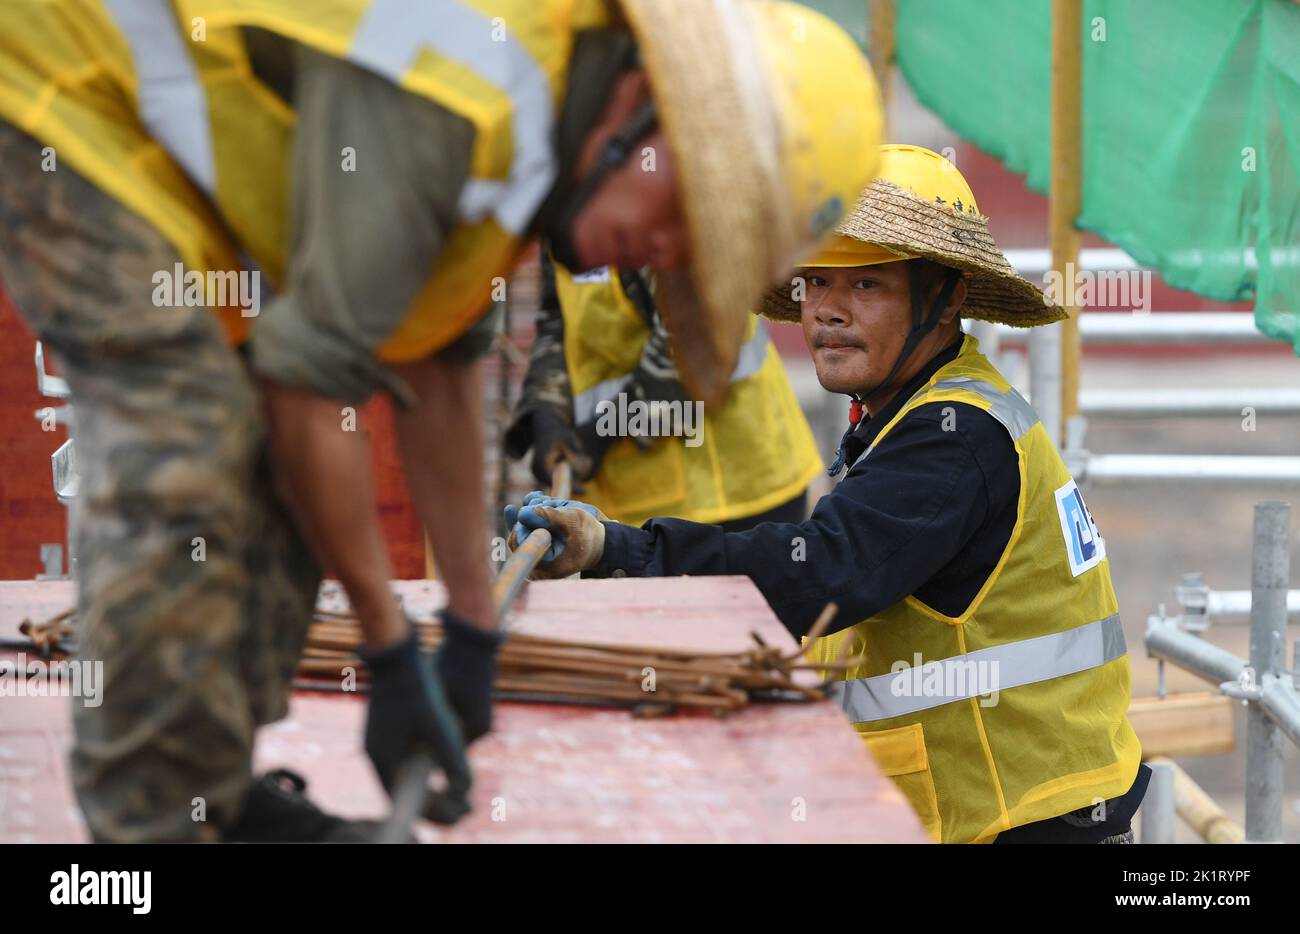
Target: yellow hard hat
[[831, 124], [925, 174], [773, 118], [920, 207], [928, 175], [840, 250]]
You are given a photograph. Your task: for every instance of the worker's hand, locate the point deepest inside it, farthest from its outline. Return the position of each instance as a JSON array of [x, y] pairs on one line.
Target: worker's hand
[[554, 440], [577, 535], [467, 664], [518, 531], [409, 713]]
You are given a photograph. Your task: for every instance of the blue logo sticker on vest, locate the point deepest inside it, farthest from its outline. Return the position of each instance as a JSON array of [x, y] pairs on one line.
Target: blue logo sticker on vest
[[592, 276], [1084, 546]]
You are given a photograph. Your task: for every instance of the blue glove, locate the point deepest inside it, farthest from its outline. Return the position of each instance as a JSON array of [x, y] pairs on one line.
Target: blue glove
[[524, 518]]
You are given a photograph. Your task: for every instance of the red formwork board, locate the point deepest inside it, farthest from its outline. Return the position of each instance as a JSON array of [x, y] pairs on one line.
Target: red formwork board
[[548, 773]]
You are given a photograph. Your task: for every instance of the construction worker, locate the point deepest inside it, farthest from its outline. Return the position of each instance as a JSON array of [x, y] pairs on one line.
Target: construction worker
[[601, 348], [986, 663], [379, 165]]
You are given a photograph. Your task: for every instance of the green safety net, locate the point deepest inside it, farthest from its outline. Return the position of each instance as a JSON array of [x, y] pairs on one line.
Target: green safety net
[[1191, 126]]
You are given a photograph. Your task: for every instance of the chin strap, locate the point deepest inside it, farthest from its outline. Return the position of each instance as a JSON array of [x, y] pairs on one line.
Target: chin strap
[[922, 324], [612, 155]]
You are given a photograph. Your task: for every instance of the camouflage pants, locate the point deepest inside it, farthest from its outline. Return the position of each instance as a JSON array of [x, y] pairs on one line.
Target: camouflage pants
[[194, 588]]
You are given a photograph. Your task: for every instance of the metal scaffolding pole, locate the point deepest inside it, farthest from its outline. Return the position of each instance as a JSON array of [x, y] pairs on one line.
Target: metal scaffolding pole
[[1161, 327], [1195, 807], [1045, 378], [1032, 262], [990, 337], [1067, 184], [880, 47], [1279, 698], [1226, 401], [1159, 805], [1121, 469], [1271, 694], [1270, 566], [1218, 604], [1166, 641]]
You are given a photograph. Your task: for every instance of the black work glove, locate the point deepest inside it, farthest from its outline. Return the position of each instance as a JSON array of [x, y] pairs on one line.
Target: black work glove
[[554, 440], [409, 714], [594, 444], [467, 665]]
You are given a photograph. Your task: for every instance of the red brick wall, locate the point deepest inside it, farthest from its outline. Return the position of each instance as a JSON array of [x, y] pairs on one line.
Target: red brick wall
[[31, 516], [29, 513]]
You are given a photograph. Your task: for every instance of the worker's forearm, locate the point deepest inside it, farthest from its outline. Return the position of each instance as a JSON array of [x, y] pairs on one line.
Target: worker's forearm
[[441, 444], [898, 519], [770, 555], [324, 474]]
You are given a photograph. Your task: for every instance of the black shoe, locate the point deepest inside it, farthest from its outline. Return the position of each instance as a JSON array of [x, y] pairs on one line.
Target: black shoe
[[277, 811]]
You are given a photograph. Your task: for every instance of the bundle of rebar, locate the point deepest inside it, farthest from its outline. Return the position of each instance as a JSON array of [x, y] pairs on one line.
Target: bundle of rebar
[[51, 637], [649, 679]]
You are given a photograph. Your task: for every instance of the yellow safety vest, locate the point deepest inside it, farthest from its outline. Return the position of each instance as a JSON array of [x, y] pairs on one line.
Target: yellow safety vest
[[755, 453], [1016, 710], [155, 103]]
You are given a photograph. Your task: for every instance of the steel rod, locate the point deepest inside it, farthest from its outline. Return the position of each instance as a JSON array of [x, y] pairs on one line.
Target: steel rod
[[518, 566], [562, 480], [411, 790], [409, 793]]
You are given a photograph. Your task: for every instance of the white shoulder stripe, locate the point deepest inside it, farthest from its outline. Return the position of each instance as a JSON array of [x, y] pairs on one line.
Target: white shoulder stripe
[[391, 37], [173, 105], [1009, 407]]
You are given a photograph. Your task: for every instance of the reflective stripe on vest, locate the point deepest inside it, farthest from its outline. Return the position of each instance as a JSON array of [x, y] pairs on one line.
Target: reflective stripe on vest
[[753, 353], [173, 105], [1011, 665], [395, 32], [1010, 408]]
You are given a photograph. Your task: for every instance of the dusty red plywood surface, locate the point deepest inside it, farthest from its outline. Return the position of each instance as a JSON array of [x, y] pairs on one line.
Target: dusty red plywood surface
[[548, 772]]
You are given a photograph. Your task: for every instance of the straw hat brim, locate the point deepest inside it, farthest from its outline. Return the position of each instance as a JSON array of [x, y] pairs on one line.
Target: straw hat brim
[[723, 154], [897, 220]]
